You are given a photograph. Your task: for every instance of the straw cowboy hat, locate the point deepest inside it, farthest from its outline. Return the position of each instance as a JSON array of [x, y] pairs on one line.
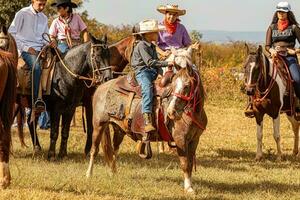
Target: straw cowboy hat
[[148, 26], [61, 2], [283, 7], [170, 8]]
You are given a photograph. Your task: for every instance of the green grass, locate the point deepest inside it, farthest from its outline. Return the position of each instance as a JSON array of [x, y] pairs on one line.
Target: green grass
[[226, 168]]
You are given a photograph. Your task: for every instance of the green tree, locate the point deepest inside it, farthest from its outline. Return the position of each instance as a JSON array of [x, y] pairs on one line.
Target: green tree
[[8, 9], [196, 36]]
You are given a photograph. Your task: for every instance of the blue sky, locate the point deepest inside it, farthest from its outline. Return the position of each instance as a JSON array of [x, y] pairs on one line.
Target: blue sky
[[229, 15]]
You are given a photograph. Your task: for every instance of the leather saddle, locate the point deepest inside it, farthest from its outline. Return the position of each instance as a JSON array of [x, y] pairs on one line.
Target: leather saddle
[[128, 85], [24, 74]]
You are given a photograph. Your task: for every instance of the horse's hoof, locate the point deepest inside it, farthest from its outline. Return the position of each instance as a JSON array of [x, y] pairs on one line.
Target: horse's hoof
[[51, 156], [88, 174], [279, 158], [61, 156], [189, 191], [37, 149], [258, 158], [4, 175]]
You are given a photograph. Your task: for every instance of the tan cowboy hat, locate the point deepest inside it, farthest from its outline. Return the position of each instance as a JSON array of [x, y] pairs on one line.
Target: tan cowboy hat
[[148, 26], [171, 8]]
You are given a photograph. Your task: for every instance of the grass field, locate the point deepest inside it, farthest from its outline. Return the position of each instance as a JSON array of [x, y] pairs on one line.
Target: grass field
[[226, 168]]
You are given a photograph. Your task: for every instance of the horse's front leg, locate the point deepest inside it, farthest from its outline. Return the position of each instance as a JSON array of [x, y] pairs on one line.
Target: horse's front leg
[[185, 164], [55, 118], [259, 136], [65, 130], [276, 135]]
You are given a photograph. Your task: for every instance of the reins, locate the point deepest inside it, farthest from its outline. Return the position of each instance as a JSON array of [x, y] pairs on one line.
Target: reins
[[93, 80]]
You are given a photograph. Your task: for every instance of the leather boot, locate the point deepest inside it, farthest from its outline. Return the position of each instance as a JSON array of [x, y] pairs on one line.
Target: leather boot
[[148, 121]]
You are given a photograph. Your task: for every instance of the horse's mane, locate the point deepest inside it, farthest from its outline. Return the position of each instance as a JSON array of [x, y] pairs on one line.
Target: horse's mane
[[120, 41]]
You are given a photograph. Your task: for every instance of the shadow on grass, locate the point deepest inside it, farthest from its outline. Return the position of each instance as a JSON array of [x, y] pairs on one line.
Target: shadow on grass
[[226, 159]]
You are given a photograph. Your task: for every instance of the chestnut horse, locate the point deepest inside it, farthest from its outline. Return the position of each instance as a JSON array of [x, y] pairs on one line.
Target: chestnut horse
[[185, 109], [267, 87], [8, 81]]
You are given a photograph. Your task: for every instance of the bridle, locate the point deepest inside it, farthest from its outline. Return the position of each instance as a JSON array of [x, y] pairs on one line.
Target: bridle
[[259, 95], [95, 68], [193, 99]]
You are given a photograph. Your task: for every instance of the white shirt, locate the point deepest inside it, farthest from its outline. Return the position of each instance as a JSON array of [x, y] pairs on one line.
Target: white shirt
[[27, 28]]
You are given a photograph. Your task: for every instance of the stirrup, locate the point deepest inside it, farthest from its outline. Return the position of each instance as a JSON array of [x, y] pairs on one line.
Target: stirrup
[[39, 105]]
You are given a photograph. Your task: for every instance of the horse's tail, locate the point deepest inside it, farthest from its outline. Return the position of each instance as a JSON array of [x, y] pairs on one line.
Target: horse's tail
[[108, 150], [8, 98]]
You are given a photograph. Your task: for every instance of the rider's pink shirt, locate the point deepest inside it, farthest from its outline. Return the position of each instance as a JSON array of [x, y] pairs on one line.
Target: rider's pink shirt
[[77, 25]]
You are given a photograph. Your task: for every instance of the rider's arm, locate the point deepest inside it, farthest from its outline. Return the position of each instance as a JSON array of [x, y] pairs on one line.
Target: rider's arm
[[16, 27], [297, 34], [145, 53], [85, 35], [268, 45]]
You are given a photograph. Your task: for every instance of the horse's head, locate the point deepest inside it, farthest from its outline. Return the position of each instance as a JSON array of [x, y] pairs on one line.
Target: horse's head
[[4, 38], [184, 84], [252, 69], [100, 57], [181, 57]]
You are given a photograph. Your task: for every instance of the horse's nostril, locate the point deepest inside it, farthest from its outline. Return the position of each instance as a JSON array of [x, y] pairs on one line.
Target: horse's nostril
[[250, 91]]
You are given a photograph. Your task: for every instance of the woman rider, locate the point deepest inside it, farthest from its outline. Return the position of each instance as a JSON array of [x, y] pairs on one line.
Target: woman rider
[[175, 34], [281, 37], [68, 26]]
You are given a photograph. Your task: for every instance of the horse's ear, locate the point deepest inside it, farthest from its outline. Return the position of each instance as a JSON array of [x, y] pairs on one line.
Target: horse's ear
[[190, 50], [104, 38], [93, 39], [247, 48], [259, 50]]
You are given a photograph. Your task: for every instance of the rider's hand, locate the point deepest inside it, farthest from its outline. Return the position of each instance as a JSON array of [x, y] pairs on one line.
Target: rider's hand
[[32, 51], [273, 52], [53, 43], [291, 51], [166, 53]]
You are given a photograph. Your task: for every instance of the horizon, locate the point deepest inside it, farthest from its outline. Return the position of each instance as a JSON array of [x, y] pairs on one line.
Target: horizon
[[201, 14]]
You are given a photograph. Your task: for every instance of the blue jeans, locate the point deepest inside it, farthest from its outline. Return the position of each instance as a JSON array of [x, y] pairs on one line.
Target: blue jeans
[[44, 120], [145, 77], [63, 47], [30, 60], [295, 73]]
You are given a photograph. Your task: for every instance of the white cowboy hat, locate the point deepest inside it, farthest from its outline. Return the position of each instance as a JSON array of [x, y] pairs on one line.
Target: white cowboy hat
[[148, 26], [283, 7], [170, 8]]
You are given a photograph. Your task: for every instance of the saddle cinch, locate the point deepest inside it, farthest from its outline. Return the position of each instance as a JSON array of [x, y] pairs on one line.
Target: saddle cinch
[[24, 75], [132, 111]]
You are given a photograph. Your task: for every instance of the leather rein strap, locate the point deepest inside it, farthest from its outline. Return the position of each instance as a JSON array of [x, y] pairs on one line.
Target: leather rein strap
[[93, 80]]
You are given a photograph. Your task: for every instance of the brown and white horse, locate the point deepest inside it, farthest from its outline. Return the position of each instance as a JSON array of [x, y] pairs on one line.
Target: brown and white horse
[[185, 109], [8, 81], [266, 86]]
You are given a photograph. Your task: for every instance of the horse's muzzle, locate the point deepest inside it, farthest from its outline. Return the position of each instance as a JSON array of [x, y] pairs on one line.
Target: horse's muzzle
[[250, 91]]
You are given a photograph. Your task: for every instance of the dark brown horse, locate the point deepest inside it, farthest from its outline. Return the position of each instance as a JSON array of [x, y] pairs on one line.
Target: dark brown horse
[[267, 86], [8, 81], [185, 109]]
